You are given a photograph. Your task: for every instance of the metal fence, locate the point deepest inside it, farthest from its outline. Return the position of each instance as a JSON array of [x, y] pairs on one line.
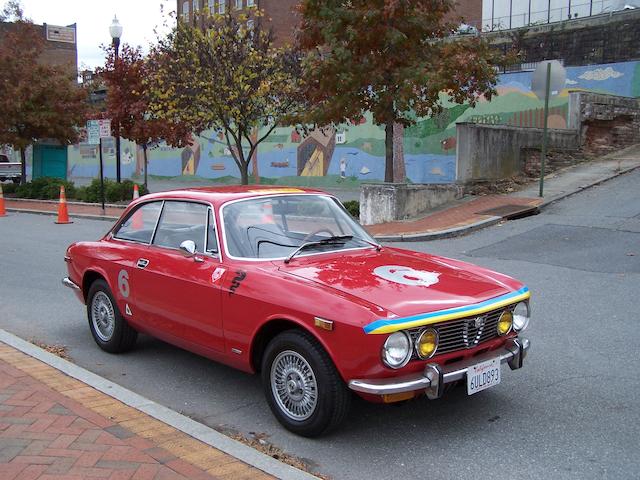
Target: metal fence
[[521, 13]]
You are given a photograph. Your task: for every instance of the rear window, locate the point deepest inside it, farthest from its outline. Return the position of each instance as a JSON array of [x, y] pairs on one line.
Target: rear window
[[4, 158]]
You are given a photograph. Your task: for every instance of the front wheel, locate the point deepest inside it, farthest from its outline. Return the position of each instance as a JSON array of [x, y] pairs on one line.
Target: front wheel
[[302, 386], [111, 332]]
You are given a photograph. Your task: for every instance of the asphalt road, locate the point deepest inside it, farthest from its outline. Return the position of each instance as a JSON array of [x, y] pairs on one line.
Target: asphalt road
[[572, 412]]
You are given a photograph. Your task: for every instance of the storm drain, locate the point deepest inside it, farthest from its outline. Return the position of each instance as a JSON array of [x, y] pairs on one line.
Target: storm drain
[[510, 212]]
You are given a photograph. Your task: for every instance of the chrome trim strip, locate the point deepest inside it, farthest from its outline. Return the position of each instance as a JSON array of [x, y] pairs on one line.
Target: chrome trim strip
[[513, 353], [67, 282]]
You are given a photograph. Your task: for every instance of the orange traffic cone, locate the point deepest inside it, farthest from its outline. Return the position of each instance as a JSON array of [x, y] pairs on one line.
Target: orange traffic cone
[[3, 211], [267, 213], [136, 192], [63, 212]]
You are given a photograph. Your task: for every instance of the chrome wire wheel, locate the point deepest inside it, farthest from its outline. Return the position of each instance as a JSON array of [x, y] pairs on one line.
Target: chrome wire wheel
[[294, 385], [103, 316]]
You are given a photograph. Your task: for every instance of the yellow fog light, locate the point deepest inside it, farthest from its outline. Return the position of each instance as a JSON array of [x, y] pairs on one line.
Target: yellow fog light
[[505, 323], [427, 343]]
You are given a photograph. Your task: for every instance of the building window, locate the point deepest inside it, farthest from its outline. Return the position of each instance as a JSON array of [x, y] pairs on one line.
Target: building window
[[238, 4], [212, 6], [185, 11], [196, 5], [251, 3], [222, 5]]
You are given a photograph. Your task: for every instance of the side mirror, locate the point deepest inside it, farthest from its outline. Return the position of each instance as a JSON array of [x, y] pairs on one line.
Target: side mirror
[[188, 247]]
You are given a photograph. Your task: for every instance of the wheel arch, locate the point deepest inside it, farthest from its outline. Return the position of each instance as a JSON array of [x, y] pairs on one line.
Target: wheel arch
[[88, 278], [273, 327]]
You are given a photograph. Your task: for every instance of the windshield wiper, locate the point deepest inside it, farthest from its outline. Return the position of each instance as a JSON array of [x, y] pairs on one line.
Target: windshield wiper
[[377, 246], [324, 241]]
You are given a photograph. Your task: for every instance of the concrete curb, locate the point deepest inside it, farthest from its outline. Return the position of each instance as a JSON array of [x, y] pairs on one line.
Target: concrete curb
[[464, 230], [72, 215], [451, 232], [170, 417], [56, 202]]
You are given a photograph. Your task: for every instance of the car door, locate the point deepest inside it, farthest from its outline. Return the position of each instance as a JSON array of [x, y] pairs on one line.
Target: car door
[[180, 290], [129, 244]]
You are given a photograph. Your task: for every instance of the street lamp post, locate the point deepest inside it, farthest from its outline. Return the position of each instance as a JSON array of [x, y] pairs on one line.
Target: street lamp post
[[116, 32]]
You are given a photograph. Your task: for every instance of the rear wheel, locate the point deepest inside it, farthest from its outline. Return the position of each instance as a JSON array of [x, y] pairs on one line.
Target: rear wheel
[[110, 330], [302, 386]]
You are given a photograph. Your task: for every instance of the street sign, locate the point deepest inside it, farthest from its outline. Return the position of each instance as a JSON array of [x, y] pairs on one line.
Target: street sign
[[97, 129], [557, 80]]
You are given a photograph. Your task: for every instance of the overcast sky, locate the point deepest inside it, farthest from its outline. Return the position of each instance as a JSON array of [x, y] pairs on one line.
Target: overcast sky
[[93, 17]]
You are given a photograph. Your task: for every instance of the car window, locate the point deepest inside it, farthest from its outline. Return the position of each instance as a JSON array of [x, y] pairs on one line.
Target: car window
[[212, 239], [182, 221], [4, 159], [140, 223], [274, 227]]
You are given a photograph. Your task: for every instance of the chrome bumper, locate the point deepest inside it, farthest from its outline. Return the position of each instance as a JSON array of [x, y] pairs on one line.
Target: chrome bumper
[[67, 282], [434, 377]]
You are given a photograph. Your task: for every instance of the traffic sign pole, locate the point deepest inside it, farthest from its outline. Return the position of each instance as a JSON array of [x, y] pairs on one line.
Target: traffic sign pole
[[543, 153], [101, 177]]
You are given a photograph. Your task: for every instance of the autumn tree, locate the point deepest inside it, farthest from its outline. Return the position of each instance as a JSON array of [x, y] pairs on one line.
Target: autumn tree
[[37, 101], [395, 58], [228, 77], [128, 103]]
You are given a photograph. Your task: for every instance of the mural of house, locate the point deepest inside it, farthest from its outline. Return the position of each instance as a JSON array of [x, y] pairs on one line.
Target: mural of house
[[315, 153]]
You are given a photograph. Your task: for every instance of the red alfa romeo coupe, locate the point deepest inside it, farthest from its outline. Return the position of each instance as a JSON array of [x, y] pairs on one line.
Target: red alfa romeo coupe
[[284, 282]]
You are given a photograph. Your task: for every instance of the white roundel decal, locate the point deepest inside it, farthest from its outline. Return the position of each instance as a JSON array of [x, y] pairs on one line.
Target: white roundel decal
[[407, 275]]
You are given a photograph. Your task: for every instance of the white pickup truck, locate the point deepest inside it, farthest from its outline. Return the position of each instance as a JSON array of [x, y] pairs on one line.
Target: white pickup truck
[[9, 170]]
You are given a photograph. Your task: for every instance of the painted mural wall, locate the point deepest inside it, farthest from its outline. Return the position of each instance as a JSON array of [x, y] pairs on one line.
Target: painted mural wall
[[355, 153]]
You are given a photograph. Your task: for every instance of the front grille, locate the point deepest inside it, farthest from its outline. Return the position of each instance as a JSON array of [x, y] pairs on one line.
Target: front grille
[[462, 334]]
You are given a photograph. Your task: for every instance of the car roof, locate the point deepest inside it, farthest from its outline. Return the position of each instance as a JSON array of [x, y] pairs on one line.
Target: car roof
[[220, 195]]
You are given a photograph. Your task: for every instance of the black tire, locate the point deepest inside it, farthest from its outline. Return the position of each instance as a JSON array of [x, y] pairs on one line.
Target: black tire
[[121, 337], [332, 395]]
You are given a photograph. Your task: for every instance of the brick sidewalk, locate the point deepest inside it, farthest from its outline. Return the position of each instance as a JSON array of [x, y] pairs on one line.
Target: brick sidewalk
[[52, 207], [55, 427], [453, 217]]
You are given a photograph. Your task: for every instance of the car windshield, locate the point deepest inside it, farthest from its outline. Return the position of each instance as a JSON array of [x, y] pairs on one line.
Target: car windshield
[[276, 227]]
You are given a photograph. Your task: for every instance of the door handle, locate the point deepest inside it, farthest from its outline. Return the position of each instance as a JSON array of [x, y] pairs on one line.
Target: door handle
[[142, 263]]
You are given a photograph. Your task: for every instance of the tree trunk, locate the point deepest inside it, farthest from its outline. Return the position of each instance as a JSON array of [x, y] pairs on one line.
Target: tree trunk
[[146, 164], [244, 173], [254, 157], [399, 170], [388, 143], [23, 168]]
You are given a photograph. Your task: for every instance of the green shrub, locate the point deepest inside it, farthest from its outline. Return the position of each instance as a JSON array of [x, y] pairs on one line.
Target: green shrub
[[9, 187], [353, 207], [45, 188], [113, 191]]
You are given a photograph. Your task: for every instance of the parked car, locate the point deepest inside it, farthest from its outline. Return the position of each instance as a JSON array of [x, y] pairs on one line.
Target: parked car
[[9, 170], [285, 283]]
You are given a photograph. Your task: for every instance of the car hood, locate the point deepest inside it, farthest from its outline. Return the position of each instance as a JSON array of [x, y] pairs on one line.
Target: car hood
[[401, 282]]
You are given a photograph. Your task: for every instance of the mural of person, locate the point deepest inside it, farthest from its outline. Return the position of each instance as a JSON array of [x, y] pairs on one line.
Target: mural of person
[[343, 167], [191, 157]]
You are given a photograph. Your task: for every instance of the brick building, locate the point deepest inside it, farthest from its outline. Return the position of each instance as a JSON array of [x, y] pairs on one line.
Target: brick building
[[283, 17], [60, 48]]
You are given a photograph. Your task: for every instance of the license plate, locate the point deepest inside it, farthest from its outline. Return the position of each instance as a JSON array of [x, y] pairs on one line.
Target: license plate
[[483, 375]]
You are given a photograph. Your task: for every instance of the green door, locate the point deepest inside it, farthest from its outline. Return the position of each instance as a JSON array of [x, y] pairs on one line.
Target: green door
[[50, 161]]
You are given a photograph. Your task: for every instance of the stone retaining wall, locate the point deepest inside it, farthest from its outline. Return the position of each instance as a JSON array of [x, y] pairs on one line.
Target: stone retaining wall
[[389, 202]]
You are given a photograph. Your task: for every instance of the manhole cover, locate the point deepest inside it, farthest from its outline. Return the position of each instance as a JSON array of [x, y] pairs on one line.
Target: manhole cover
[[510, 211]]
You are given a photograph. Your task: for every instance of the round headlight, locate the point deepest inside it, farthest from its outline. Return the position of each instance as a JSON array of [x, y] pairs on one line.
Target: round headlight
[[396, 351], [505, 322], [521, 316], [427, 343]]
